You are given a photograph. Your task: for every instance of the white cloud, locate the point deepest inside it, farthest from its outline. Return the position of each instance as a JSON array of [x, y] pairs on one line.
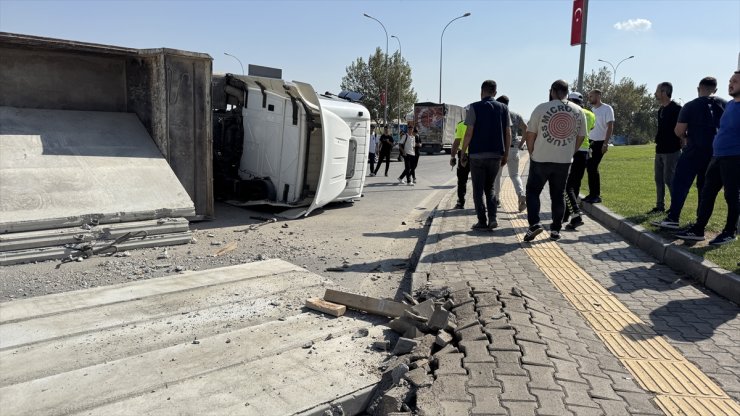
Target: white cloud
[[634, 25]]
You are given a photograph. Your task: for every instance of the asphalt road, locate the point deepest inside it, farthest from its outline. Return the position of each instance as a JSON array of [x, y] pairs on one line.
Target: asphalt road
[[367, 246]]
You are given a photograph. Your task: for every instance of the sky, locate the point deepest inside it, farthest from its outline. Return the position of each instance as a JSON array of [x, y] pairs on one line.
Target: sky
[[523, 45]]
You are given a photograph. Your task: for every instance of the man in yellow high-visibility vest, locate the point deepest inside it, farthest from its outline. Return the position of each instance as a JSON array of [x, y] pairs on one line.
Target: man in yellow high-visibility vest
[[463, 171]]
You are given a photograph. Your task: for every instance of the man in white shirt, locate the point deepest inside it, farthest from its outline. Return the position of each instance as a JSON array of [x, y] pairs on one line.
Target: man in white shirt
[[600, 137], [407, 147], [371, 150]]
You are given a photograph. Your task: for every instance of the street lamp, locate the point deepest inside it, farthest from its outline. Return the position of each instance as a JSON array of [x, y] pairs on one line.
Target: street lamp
[[440, 53], [617, 67], [237, 60], [400, 54], [385, 93]]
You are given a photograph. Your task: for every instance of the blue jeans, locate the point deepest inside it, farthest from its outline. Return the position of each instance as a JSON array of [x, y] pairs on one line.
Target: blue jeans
[[722, 172], [556, 175], [690, 165], [483, 174]]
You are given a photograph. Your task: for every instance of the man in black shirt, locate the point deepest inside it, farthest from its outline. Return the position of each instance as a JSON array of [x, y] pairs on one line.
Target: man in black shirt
[[667, 144], [386, 144]]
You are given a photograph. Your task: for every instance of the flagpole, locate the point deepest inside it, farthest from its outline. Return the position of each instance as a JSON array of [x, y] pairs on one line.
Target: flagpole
[[583, 46]]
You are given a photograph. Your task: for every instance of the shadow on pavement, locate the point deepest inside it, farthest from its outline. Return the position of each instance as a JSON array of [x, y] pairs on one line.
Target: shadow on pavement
[[656, 277], [471, 253], [691, 320]]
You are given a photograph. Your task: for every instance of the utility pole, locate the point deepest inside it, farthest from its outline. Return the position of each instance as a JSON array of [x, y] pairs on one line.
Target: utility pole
[[582, 62]]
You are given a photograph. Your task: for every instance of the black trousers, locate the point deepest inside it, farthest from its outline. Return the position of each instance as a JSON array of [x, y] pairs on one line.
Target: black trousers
[[592, 166], [371, 160], [556, 175], [384, 155], [462, 179], [573, 186], [408, 163], [722, 172]]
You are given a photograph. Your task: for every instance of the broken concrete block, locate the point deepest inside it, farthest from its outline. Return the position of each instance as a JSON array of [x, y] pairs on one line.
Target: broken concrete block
[[401, 325], [424, 347], [439, 319], [381, 345], [447, 349], [425, 309], [414, 317], [418, 377], [398, 372], [449, 304], [412, 333], [418, 363], [384, 307], [391, 363], [392, 400], [404, 346], [443, 338]]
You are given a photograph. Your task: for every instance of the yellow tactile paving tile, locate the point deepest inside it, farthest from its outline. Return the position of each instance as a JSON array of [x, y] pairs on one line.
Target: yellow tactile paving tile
[[673, 378], [595, 303], [697, 406], [618, 322], [680, 387], [571, 274], [639, 346]]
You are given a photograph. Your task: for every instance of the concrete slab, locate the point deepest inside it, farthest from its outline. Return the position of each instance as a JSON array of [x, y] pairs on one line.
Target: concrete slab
[[61, 168], [222, 341]]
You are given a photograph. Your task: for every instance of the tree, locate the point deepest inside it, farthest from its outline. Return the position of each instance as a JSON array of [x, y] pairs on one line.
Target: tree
[[635, 108], [368, 78]]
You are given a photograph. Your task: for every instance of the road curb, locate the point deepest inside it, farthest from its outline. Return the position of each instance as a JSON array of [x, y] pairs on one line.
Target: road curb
[[423, 269], [702, 271]]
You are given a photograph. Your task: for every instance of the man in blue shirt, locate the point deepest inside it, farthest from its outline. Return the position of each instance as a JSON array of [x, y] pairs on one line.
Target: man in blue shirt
[[723, 171], [697, 125], [486, 148]]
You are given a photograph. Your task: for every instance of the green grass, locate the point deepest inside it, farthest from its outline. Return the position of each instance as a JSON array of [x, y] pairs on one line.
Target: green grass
[[628, 188]]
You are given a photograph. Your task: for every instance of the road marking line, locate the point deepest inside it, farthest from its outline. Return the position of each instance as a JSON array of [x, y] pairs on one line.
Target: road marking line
[[680, 387]]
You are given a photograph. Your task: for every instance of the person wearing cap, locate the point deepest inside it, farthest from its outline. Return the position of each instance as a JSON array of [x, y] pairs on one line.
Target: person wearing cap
[[486, 147], [667, 145], [555, 131], [463, 171], [577, 169], [517, 144]]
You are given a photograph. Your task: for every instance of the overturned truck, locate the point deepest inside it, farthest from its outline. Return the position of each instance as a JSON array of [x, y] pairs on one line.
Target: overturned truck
[[280, 143], [104, 147]]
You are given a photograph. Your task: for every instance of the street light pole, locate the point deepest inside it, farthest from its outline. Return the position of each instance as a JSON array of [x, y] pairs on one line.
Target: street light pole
[[385, 93], [237, 60], [400, 54], [440, 53], [617, 67]]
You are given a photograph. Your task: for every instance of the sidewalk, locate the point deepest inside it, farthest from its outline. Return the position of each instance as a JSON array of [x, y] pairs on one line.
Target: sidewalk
[[601, 328]]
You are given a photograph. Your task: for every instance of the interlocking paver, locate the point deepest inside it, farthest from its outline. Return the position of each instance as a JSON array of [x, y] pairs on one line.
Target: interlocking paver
[[551, 403], [486, 401], [550, 331]]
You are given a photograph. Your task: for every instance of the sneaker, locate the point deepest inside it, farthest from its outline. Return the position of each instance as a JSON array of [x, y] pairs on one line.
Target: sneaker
[[656, 210], [371, 174], [574, 223], [522, 203], [492, 224], [401, 181], [690, 235], [592, 199], [410, 183], [498, 203], [666, 223], [533, 232], [554, 235], [459, 206], [479, 226], [413, 180], [723, 238]]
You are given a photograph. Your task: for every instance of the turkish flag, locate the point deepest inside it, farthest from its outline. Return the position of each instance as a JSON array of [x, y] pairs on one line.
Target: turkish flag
[[577, 24], [382, 97]]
